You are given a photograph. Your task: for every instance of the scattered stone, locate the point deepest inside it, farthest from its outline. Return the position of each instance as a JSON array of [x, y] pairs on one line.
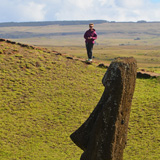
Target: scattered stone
[[103, 135], [12, 42], [19, 44], [24, 45], [137, 38], [121, 44], [144, 74], [58, 54], [69, 57], [1, 39], [102, 66], [32, 47]]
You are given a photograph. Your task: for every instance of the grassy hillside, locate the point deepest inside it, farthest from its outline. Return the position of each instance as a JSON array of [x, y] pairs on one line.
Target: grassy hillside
[[148, 57], [44, 97]]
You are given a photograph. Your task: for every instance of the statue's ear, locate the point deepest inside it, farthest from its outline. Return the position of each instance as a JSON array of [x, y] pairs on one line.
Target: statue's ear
[[111, 74], [104, 80]]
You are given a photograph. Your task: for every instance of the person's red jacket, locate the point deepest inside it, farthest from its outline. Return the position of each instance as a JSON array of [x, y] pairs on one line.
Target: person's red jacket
[[92, 34]]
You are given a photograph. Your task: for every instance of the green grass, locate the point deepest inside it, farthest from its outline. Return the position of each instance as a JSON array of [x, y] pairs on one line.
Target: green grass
[[148, 57], [44, 98], [144, 128]]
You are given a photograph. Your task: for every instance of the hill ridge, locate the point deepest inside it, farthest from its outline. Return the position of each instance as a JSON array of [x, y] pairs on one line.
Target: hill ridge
[[140, 74]]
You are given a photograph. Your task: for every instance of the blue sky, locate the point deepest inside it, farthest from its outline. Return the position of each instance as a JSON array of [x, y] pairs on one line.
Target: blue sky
[[51, 10], [155, 1]]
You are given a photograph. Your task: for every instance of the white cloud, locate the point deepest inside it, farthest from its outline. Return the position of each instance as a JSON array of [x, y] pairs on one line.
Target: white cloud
[[131, 3], [81, 4], [18, 10], [32, 11], [102, 2], [118, 10]]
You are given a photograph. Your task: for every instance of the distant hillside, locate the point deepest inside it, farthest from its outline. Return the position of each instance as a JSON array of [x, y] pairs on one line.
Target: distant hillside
[[18, 35], [46, 23], [74, 22], [71, 32], [44, 97]]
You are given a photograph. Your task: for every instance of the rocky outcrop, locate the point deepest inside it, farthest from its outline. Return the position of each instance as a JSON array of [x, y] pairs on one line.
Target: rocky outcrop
[[1, 39], [103, 135], [102, 65], [27, 46], [147, 74], [12, 42]]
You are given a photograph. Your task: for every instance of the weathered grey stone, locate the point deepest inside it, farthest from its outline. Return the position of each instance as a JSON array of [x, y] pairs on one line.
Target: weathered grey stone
[[1, 39], [102, 65], [9, 41], [103, 135]]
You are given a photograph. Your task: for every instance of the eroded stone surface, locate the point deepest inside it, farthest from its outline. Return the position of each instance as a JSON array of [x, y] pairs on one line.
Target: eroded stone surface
[[103, 135]]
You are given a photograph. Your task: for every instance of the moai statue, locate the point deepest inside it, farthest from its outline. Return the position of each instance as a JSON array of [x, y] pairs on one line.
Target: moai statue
[[103, 135]]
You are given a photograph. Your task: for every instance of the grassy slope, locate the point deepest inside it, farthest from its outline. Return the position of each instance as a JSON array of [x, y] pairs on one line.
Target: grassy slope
[[148, 57], [44, 98]]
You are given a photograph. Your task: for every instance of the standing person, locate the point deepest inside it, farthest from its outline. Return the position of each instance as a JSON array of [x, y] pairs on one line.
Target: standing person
[[90, 35]]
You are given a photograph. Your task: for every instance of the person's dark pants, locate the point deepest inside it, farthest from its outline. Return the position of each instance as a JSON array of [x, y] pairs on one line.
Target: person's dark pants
[[89, 47]]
